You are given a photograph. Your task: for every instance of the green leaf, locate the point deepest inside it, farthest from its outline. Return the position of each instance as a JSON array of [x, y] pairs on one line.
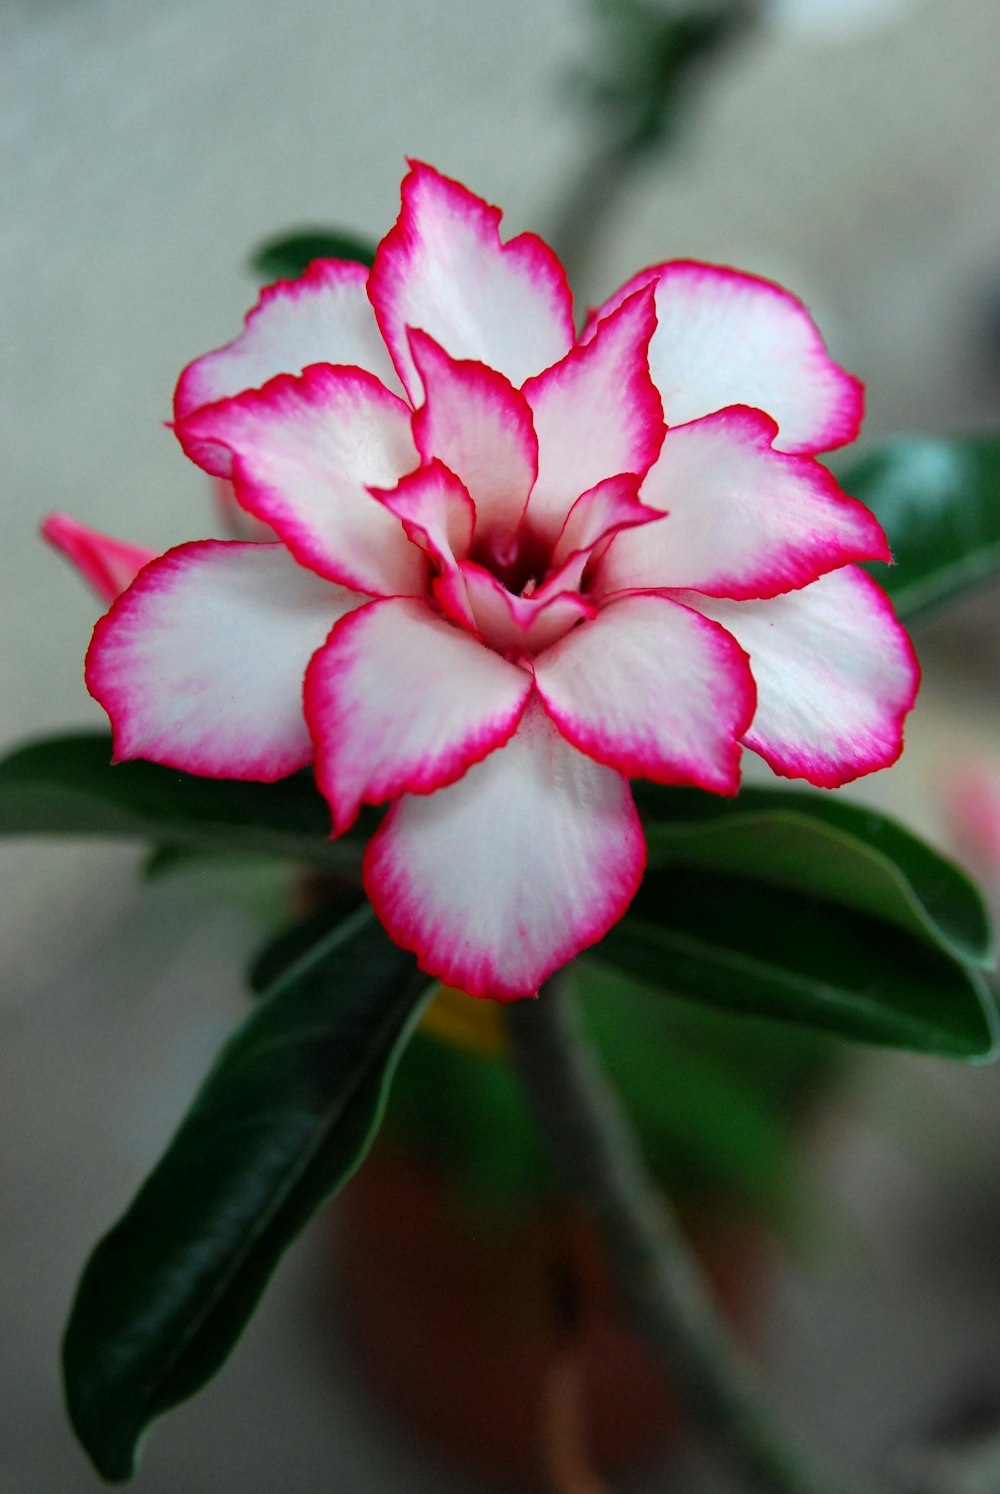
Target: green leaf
[[288, 255], [939, 503], [737, 944], [822, 844], [283, 1119], [286, 947], [68, 786]]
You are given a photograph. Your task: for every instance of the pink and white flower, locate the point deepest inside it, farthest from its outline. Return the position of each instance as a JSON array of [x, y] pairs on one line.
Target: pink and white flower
[[514, 566]]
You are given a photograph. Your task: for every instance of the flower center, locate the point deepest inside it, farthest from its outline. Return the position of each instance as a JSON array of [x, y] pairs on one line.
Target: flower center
[[520, 562]]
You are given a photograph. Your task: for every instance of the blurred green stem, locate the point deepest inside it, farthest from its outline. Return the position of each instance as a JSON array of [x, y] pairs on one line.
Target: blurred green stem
[[659, 1281], [589, 204], [648, 55]]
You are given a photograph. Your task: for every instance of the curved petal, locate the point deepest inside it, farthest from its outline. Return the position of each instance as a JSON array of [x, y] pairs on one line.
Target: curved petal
[[400, 701], [727, 338], [604, 510], [597, 413], [835, 672], [519, 626], [743, 519], [305, 452], [439, 517], [109, 565], [435, 511], [653, 689], [442, 268], [479, 425], [323, 317], [500, 879], [200, 663]]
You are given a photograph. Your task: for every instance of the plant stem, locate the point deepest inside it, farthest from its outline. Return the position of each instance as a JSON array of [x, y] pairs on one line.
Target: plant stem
[[659, 1281], [596, 189]]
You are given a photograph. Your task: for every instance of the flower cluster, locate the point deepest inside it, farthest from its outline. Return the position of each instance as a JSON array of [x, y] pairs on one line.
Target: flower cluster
[[511, 567]]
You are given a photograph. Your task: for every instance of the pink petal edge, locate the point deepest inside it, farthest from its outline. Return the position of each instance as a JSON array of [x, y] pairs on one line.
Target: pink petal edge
[[838, 396], [184, 689], [314, 490], [572, 859], [412, 720], [404, 294], [653, 689], [295, 323], [108, 565]]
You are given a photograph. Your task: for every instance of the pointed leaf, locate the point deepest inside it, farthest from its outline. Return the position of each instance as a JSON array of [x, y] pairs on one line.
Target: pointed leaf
[[283, 1119], [69, 786], [822, 844], [288, 255], [285, 948], [745, 947], [939, 504]]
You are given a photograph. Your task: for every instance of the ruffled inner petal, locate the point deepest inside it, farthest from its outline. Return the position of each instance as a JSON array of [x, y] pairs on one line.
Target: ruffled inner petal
[[743, 520], [596, 413], [478, 425], [306, 452], [519, 626]]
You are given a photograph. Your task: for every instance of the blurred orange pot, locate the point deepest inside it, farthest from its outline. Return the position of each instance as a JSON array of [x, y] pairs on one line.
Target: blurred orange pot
[[506, 1349]]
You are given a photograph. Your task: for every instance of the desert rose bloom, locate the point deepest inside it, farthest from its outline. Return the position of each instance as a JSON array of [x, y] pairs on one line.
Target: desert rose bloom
[[514, 567]]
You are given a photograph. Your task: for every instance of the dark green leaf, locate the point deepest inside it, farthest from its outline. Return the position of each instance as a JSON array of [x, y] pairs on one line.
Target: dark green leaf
[[289, 944], [822, 844], [68, 786], [737, 944], [288, 255], [939, 503], [284, 1117]]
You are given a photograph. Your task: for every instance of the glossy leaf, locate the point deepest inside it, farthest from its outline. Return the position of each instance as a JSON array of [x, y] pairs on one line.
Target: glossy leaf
[[283, 1119], [939, 503], [285, 948], [288, 255], [69, 786], [735, 943], [822, 844]]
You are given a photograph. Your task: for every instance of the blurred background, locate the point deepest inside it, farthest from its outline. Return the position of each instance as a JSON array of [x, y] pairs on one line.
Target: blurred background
[[849, 150]]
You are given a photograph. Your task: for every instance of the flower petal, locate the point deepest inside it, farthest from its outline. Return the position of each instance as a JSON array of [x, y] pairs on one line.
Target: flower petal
[[398, 700], [500, 879], [442, 268], [835, 672], [200, 663], [743, 519], [519, 626], [323, 317], [109, 565], [602, 511], [726, 338], [435, 511], [653, 689], [439, 517], [479, 425], [305, 452], [597, 413]]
